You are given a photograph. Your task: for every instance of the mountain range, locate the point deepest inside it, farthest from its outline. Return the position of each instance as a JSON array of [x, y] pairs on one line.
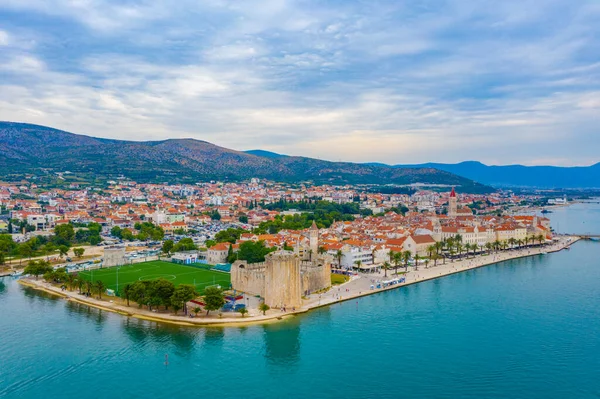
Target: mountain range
[[28, 148], [543, 177]]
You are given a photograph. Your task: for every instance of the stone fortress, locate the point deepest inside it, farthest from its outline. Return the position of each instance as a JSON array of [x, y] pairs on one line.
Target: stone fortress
[[284, 277], [114, 256]]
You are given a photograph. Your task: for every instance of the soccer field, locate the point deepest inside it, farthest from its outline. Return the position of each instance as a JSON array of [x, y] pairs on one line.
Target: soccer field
[[178, 274]]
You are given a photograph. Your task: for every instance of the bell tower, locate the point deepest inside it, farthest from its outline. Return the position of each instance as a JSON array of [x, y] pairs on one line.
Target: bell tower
[[314, 240], [452, 204]]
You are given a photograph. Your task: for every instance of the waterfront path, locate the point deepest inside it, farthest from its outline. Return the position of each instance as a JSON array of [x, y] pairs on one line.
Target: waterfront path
[[361, 285], [358, 286]]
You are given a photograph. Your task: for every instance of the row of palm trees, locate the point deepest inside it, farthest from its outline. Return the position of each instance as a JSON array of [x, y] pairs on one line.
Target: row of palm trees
[[448, 247], [454, 246], [72, 281]]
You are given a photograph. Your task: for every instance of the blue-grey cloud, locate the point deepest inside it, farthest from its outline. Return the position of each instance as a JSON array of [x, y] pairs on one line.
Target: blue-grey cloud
[[501, 82]]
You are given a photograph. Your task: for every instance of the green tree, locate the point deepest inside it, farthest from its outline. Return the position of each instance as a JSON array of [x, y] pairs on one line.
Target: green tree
[[185, 244], [213, 299], [183, 294], [49, 249], [162, 290], [338, 256], [396, 258], [242, 311], [230, 235], [253, 252], [139, 292], [63, 250], [127, 292], [78, 252], [167, 246], [100, 288], [126, 234], [263, 307], [37, 268], [65, 232], [115, 232], [231, 256], [71, 280], [406, 255], [386, 266], [25, 250], [243, 219]]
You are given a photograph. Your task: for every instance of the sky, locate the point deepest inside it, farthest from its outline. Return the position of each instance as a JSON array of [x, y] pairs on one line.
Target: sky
[[502, 82]]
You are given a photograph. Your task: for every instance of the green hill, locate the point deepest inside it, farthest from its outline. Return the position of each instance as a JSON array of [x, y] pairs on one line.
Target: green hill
[[30, 148]]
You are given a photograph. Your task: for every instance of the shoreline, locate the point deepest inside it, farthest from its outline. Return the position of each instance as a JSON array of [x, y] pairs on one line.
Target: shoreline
[[360, 284]]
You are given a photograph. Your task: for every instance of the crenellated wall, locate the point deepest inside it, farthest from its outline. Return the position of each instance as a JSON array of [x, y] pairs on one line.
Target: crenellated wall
[[248, 278], [282, 279]]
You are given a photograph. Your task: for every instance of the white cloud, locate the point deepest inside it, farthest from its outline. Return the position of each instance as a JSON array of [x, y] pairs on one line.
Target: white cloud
[[3, 38], [516, 81]]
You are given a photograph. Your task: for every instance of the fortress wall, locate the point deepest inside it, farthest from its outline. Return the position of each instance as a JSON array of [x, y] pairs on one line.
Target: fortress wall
[[283, 282], [248, 278], [113, 256], [316, 278]]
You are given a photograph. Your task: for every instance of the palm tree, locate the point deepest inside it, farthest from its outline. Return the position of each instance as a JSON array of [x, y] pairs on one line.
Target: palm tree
[[71, 280], [88, 287], [430, 250], [397, 259], [80, 284], [438, 247], [489, 246], [263, 307], [459, 248], [338, 256], [100, 288], [435, 258], [406, 257], [321, 250], [358, 264], [127, 292], [541, 238], [386, 266], [467, 248], [417, 258], [512, 241], [497, 245]]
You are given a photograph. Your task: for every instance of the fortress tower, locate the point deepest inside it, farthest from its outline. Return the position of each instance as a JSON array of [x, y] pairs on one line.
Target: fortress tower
[[452, 204], [283, 278]]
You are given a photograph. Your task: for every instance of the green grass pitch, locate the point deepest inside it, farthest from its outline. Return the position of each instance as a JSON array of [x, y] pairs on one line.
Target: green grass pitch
[[178, 274]]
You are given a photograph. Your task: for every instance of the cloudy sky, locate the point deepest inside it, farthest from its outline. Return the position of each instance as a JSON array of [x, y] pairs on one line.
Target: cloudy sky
[[511, 81]]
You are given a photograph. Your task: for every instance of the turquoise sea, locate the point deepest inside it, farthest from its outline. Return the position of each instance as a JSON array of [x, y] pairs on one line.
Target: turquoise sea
[[527, 328]]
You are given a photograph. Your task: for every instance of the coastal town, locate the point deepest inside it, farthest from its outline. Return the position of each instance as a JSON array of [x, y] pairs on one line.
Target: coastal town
[[287, 248]]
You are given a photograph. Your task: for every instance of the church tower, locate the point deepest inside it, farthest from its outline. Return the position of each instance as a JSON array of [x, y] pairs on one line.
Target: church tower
[[452, 204], [314, 240]]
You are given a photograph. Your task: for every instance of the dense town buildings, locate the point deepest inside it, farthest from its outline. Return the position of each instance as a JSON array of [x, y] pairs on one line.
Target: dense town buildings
[[200, 211]]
